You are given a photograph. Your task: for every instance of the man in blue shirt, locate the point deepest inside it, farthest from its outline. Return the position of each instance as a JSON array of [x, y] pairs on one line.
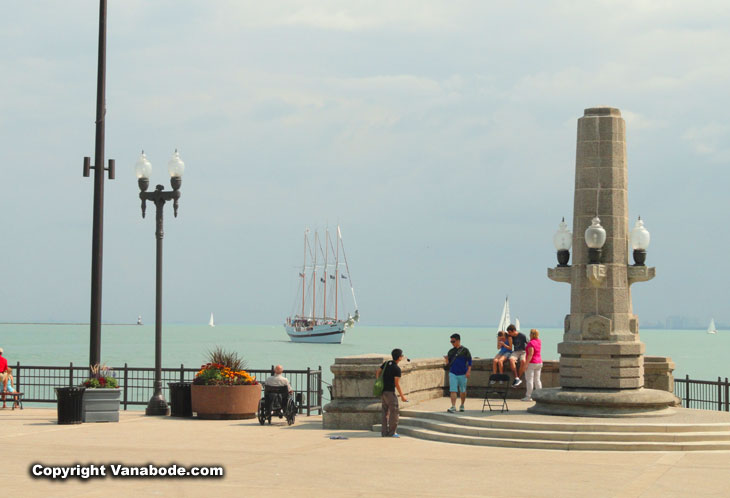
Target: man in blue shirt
[[458, 361]]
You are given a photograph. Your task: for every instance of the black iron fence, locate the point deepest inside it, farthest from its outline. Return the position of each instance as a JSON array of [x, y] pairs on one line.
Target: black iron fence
[[37, 383], [703, 394]]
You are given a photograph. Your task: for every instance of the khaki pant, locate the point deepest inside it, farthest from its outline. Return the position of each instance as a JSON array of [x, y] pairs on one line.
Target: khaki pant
[[390, 414]]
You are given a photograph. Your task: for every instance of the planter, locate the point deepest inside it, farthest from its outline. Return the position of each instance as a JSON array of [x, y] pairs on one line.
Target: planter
[[225, 402], [101, 405]]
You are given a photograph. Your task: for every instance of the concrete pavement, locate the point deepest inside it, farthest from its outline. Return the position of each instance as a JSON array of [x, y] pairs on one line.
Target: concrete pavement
[[302, 460]]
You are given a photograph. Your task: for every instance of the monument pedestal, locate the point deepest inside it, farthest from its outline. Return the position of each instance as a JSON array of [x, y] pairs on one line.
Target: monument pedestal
[[602, 402]]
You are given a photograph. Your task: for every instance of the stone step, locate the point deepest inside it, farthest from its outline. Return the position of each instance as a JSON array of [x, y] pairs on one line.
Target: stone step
[[550, 435], [445, 437], [591, 426]]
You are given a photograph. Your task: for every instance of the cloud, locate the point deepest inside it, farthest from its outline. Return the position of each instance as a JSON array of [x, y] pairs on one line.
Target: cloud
[[710, 140]]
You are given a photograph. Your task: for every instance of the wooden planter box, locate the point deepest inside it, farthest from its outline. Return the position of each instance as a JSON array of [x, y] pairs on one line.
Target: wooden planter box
[[100, 405], [225, 402]]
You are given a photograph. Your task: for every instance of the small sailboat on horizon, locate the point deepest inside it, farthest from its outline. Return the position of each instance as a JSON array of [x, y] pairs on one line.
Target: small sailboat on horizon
[[211, 323], [505, 320], [139, 320], [712, 329]]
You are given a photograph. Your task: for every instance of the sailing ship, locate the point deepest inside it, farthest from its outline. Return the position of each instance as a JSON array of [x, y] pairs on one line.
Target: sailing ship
[[712, 329], [211, 322], [324, 276], [139, 320], [504, 320]]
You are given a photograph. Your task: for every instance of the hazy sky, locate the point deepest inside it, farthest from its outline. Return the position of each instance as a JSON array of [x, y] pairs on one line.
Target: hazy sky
[[440, 135]]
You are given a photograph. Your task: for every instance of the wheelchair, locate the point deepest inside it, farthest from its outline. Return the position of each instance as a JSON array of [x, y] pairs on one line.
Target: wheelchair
[[277, 402]]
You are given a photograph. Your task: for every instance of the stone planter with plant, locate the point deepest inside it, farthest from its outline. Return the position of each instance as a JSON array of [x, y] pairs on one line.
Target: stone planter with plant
[[222, 389], [101, 397]]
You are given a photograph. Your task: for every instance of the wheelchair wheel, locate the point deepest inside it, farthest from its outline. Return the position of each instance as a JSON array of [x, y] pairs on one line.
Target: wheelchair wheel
[[291, 412], [262, 415]]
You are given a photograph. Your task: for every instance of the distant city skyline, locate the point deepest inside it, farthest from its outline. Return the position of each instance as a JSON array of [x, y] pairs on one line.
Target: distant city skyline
[[440, 136]]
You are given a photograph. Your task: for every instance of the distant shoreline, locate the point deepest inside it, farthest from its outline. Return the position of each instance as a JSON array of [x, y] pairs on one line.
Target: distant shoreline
[[59, 323]]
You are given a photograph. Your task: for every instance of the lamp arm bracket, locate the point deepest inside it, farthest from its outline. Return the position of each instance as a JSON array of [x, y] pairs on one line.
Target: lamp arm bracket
[[560, 274], [640, 273]]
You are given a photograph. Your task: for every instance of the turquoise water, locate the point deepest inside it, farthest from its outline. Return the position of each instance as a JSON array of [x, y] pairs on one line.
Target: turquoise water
[[695, 352]]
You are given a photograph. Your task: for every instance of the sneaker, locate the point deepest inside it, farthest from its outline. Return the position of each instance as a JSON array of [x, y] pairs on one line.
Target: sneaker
[[396, 435], [451, 410], [526, 399], [461, 408], [517, 382]]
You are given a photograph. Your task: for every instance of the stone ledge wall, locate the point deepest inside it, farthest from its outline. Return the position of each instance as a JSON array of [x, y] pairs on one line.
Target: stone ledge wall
[[354, 407]]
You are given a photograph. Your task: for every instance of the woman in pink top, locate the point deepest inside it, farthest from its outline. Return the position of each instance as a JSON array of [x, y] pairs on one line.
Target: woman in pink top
[[534, 364]]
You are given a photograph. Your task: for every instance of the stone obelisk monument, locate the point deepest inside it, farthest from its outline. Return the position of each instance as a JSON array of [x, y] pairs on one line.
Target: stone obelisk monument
[[601, 356]]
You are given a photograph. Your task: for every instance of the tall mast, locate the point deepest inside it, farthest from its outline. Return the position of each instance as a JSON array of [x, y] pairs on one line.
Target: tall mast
[[347, 267], [314, 277], [326, 252], [337, 271], [304, 269]]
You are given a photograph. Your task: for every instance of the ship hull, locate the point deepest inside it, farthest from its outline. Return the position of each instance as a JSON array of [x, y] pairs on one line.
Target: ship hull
[[318, 334]]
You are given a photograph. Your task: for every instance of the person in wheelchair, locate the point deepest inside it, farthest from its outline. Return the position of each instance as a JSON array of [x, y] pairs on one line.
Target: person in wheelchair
[[278, 398]]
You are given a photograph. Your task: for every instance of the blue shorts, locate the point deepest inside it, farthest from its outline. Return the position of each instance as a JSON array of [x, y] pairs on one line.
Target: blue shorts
[[457, 383]]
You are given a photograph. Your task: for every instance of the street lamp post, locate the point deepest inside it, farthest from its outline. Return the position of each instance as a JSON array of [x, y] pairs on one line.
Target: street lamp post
[[97, 238], [157, 404]]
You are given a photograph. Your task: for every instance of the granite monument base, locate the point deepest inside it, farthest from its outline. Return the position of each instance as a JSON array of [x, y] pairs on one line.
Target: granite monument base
[[603, 402]]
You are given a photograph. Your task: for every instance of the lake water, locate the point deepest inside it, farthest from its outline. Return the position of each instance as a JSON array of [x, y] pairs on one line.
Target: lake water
[[696, 353]]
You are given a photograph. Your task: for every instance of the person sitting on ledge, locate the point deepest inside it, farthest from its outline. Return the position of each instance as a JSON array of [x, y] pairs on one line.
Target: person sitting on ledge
[[504, 349], [519, 341]]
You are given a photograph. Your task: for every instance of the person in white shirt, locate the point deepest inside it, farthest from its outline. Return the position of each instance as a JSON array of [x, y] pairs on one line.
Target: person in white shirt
[[278, 379]]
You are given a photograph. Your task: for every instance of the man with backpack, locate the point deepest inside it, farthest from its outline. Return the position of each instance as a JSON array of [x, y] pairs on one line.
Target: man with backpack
[[391, 382]]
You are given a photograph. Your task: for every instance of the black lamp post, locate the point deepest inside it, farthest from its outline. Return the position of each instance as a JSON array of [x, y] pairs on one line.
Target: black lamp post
[[157, 404], [97, 237]]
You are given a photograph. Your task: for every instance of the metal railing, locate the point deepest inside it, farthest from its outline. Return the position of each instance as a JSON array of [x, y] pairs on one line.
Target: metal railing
[[703, 394], [38, 382]]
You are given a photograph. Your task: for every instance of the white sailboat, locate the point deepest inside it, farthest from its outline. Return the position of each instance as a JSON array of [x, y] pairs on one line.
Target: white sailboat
[[211, 322], [139, 320], [320, 318], [712, 329], [504, 320]]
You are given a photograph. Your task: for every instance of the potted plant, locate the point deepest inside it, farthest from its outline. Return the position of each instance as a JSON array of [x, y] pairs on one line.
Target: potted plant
[[101, 396], [222, 389]]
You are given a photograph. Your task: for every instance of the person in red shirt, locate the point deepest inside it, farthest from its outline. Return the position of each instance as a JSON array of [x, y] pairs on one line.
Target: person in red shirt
[[3, 370]]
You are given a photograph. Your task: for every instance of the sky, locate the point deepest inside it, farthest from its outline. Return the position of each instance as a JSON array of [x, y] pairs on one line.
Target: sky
[[439, 135]]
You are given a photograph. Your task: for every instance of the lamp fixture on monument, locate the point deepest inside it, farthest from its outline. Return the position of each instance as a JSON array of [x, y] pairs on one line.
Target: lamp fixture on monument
[[157, 404], [595, 238], [639, 239], [563, 240]]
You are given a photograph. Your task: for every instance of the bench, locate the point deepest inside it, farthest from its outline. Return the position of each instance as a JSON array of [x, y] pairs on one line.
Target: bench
[[16, 397]]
